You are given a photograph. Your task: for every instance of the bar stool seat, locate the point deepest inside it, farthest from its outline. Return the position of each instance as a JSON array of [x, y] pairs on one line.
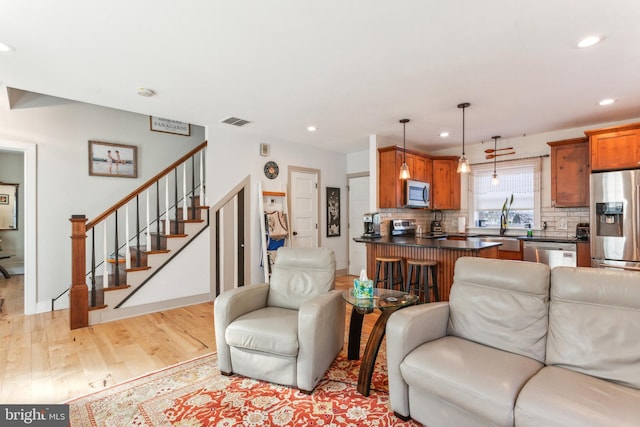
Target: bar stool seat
[[392, 272], [421, 285]]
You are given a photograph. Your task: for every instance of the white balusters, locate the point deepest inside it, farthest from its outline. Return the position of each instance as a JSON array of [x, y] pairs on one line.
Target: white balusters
[[105, 269], [184, 191], [167, 224], [127, 250], [202, 203], [148, 233]]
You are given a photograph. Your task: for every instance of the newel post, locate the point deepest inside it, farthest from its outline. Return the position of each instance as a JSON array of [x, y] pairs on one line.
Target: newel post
[[79, 292]]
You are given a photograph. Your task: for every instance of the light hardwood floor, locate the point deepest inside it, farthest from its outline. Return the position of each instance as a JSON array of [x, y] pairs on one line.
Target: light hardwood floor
[[42, 361]]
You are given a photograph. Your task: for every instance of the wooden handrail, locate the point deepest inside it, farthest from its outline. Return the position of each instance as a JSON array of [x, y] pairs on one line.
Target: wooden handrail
[[143, 187]]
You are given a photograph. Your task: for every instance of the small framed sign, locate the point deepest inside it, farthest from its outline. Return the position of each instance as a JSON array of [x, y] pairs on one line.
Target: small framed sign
[[159, 124]]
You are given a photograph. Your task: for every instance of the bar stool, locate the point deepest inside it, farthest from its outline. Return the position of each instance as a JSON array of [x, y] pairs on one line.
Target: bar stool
[[389, 278], [421, 285]]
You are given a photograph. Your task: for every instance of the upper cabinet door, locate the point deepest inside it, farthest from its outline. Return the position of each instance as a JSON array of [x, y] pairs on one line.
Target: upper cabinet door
[[445, 188], [570, 173], [615, 148]]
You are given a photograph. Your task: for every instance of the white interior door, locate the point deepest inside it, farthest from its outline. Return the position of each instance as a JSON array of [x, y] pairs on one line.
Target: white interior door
[[304, 209], [358, 206]]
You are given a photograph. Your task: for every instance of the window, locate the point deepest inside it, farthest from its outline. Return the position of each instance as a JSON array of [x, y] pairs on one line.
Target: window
[[518, 177]]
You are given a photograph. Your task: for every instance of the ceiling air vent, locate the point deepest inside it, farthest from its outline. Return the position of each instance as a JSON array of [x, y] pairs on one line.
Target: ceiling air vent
[[235, 121]]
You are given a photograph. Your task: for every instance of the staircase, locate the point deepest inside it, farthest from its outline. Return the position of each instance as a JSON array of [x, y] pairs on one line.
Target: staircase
[[116, 254]]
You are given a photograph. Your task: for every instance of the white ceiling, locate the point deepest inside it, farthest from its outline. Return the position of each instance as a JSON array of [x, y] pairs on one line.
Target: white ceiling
[[350, 67]]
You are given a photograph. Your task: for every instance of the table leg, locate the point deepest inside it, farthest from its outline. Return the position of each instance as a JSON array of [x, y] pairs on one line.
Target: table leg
[[371, 351], [4, 272], [355, 331]]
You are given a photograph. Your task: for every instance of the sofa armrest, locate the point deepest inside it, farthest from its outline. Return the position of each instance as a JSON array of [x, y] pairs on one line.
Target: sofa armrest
[[407, 329], [320, 336], [230, 305]]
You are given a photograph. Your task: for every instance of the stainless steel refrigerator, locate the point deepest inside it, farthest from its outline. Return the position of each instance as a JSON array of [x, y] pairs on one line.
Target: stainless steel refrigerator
[[615, 219]]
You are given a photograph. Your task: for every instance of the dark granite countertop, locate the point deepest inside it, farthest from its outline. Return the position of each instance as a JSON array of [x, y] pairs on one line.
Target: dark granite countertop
[[438, 242], [551, 239], [524, 238]]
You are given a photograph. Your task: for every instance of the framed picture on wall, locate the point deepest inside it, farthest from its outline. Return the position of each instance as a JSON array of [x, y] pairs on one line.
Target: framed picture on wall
[[333, 212], [108, 159]]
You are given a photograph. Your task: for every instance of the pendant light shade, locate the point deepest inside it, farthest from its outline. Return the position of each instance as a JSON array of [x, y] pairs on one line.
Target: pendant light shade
[[494, 180], [404, 169], [463, 162]]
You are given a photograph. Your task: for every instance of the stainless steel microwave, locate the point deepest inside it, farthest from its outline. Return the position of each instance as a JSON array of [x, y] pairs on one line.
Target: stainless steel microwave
[[417, 194]]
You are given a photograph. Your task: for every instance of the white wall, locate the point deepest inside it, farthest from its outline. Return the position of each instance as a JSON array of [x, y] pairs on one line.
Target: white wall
[[234, 154], [358, 162], [61, 130]]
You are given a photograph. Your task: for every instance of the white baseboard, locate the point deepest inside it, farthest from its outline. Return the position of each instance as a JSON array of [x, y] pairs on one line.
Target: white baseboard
[[108, 315]]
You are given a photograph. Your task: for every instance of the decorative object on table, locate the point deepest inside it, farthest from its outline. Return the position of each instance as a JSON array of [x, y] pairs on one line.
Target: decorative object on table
[[108, 159], [404, 169], [333, 212], [463, 162], [504, 216], [363, 286], [271, 170], [158, 124]]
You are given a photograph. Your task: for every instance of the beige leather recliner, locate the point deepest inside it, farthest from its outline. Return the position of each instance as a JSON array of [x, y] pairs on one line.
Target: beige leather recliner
[[286, 332], [464, 361], [518, 345]]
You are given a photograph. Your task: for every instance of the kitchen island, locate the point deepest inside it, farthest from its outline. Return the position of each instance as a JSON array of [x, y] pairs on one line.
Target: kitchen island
[[444, 252]]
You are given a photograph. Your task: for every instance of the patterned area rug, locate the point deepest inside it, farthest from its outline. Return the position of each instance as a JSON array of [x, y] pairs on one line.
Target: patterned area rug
[[194, 393]]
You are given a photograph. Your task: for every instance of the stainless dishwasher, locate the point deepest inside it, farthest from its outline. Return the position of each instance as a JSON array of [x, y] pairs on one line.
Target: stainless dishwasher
[[551, 253]]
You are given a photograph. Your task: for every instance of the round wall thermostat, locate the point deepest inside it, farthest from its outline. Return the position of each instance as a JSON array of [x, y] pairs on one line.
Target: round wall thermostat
[[271, 170]]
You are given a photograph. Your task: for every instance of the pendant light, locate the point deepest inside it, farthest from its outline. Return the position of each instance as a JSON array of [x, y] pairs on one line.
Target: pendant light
[[404, 169], [463, 163], [494, 180]]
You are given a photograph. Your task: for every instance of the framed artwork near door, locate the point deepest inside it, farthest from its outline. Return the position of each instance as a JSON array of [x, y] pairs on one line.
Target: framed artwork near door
[[333, 212], [108, 159]]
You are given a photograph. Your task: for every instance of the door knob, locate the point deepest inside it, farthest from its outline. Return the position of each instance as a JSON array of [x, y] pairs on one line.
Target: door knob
[[295, 233]]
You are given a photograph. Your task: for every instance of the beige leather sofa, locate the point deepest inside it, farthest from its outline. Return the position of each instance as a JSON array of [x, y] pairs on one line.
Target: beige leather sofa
[[518, 344], [286, 332]]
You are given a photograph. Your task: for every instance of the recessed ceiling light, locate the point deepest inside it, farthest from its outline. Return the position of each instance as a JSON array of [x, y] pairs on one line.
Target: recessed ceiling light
[[444, 134], [5, 48], [312, 128], [589, 41], [607, 101], [143, 91]]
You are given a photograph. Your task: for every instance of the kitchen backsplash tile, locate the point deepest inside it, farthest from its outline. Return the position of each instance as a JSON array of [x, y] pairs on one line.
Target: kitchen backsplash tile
[[554, 217]]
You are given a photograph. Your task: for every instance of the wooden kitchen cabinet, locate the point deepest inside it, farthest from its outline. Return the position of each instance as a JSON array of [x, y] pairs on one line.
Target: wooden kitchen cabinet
[[615, 148], [570, 172], [583, 252], [445, 188], [390, 186]]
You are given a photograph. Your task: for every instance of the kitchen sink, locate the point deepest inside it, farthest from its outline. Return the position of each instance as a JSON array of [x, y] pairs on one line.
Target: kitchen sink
[[508, 243]]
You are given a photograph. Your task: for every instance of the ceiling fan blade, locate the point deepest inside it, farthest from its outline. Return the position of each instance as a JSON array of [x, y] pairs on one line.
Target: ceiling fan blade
[[491, 150]]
